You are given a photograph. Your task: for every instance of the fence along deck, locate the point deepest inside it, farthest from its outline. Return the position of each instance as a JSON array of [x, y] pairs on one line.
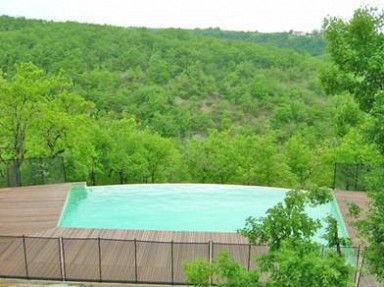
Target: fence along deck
[[110, 260]]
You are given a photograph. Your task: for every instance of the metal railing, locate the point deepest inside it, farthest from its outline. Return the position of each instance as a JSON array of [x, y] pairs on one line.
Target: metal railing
[[32, 171], [113, 260], [45, 170], [355, 177], [364, 278]]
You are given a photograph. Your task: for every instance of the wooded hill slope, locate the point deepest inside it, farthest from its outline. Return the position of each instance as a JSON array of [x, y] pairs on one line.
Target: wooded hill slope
[[178, 105]]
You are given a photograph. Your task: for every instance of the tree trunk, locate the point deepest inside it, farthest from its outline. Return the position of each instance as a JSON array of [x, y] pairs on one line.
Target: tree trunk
[[14, 173]]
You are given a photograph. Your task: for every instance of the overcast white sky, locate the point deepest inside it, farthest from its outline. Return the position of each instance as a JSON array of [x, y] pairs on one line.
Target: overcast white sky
[[246, 15]]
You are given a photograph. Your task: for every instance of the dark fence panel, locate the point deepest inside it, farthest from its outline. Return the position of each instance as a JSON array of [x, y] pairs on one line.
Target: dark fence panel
[[257, 251], [12, 257], [43, 258], [239, 252], [117, 260], [350, 176], [186, 252], [355, 177], [110, 260], [154, 262], [81, 259], [32, 171], [364, 277], [352, 254]]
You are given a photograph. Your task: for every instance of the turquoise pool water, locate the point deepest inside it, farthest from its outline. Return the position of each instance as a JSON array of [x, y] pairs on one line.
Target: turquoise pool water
[[178, 207]]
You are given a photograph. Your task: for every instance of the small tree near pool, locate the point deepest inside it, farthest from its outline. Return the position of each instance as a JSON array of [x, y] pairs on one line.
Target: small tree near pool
[[293, 260]]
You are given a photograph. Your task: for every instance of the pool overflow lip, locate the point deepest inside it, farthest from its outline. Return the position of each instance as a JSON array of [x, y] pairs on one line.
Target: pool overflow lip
[[74, 186], [340, 218], [335, 210]]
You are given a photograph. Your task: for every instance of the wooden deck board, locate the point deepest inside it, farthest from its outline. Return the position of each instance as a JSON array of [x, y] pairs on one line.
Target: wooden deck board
[[362, 200], [27, 210], [359, 198]]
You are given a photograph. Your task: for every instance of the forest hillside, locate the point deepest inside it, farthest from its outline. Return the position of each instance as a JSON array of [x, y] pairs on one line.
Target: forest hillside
[[153, 105]]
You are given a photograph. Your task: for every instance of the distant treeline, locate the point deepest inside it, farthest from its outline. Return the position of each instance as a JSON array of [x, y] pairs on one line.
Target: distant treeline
[[311, 43]]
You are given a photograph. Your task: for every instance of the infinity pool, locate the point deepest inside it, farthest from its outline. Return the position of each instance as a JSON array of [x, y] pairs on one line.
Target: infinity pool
[[178, 207]]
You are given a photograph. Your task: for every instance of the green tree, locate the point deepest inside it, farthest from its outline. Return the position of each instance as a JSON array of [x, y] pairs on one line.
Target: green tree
[[214, 159], [25, 98], [377, 127], [198, 272], [262, 163], [305, 264], [230, 273], [285, 221], [355, 48], [333, 237], [372, 228], [300, 159]]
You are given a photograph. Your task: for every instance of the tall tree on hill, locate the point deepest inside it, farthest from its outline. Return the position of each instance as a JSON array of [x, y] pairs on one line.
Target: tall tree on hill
[[39, 116], [357, 51], [22, 98]]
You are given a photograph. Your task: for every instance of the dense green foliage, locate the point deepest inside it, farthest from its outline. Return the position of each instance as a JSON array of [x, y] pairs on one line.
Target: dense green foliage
[[198, 272], [305, 264], [293, 259], [373, 230], [357, 51], [226, 271], [139, 105], [287, 221], [311, 43], [299, 264]]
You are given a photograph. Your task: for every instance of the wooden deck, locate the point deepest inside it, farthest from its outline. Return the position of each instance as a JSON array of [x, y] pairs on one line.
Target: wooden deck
[[362, 200], [27, 210], [359, 198]]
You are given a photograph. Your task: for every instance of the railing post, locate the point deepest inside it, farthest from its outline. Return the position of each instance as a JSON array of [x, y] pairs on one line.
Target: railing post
[[359, 271], [99, 247], [60, 260], [63, 250], [172, 267], [211, 253], [42, 170], [358, 255], [25, 258], [64, 170], [334, 175], [249, 257], [357, 264], [211, 250], [135, 243]]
